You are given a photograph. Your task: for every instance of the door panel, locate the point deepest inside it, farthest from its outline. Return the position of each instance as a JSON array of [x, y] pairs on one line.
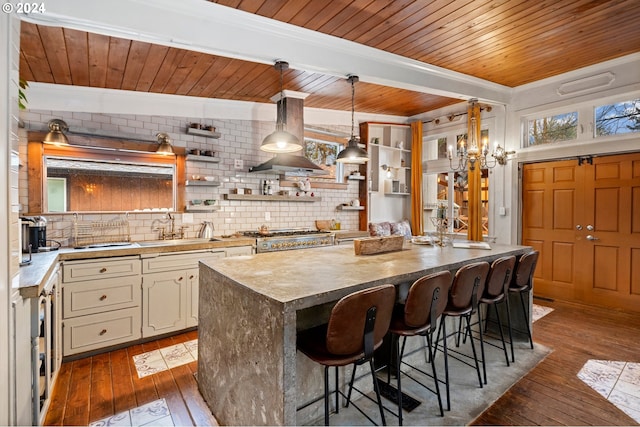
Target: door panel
[[549, 219], [587, 222]]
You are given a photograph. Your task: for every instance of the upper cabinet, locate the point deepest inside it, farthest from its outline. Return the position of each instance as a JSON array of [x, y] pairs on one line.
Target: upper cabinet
[[388, 172]]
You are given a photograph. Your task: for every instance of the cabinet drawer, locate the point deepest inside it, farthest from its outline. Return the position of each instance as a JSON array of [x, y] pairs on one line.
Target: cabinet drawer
[[183, 261], [75, 271], [96, 331], [82, 298]]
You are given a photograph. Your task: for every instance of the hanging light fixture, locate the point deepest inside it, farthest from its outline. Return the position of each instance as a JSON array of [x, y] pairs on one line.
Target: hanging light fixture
[[281, 141], [471, 153], [353, 153], [56, 134], [165, 144]]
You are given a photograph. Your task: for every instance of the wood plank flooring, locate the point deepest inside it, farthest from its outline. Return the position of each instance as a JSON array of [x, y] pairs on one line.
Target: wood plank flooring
[[96, 387], [551, 394]]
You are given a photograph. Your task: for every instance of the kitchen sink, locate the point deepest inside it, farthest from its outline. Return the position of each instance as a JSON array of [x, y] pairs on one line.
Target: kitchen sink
[[175, 242]]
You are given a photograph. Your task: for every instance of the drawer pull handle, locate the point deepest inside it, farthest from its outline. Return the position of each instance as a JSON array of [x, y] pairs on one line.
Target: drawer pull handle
[[102, 332], [180, 279], [103, 297], [103, 270], [191, 277]]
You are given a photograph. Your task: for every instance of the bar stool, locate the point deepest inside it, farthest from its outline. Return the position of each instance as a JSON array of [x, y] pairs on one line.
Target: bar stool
[[357, 325], [425, 303], [495, 292], [468, 285], [522, 283]]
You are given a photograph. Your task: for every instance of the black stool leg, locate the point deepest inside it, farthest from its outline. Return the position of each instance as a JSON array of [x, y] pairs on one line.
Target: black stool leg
[[326, 395], [337, 393], [353, 377], [513, 357], [526, 316], [484, 363], [473, 348], [446, 360], [504, 345], [399, 374], [433, 369], [375, 387]]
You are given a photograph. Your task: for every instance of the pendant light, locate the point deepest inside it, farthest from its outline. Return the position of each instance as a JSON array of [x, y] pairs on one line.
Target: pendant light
[[56, 134], [281, 141], [353, 153], [165, 144]]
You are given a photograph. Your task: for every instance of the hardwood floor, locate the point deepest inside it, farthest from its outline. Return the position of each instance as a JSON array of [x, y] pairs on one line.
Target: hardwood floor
[[551, 394], [96, 387]]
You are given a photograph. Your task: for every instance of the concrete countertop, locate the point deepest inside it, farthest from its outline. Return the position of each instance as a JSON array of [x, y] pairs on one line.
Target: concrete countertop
[[33, 276], [298, 278]]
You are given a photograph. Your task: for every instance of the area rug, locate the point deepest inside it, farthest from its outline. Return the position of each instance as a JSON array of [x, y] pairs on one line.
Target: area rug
[[468, 400]]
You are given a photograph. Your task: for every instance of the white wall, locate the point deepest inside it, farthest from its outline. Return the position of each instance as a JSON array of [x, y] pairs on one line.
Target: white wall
[[9, 249]]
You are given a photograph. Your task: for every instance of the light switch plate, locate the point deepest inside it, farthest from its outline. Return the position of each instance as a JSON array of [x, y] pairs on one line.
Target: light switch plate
[[238, 163], [187, 218]]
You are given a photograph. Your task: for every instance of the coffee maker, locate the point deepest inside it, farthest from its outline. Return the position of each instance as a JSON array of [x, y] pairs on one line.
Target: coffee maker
[[34, 234]]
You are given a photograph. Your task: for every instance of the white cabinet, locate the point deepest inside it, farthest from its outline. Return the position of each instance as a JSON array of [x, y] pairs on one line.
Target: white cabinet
[[101, 303], [22, 356], [170, 290]]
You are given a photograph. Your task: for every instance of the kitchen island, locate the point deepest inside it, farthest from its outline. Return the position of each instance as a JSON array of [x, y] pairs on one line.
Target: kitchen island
[[251, 308]]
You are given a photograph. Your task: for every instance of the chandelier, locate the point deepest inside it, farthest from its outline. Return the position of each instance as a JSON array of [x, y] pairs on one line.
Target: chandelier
[[472, 154]]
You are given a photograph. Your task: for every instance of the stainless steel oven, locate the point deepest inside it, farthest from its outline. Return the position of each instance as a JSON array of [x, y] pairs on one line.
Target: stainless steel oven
[[283, 240]]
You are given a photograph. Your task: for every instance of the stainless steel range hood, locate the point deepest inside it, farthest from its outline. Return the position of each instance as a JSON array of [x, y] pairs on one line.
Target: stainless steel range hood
[[290, 164]]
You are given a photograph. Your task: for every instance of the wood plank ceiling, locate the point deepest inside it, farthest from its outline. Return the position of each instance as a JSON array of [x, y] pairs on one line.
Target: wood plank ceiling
[[510, 42]]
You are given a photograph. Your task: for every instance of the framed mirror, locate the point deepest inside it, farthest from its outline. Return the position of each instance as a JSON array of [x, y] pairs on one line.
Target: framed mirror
[[109, 176]]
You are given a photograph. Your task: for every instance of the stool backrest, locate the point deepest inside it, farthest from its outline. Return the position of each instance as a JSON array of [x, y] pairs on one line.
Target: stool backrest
[[500, 276], [523, 277], [427, 299], [468, 278], [346, 328]]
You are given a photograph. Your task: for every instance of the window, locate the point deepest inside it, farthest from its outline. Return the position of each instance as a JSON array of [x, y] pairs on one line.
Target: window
[[546, 130], [618, 118]]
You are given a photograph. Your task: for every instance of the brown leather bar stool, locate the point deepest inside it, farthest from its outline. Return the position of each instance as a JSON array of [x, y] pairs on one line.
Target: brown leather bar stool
[[418, 316], [522, 283], [357, 326], [495, 292], [468, 285]]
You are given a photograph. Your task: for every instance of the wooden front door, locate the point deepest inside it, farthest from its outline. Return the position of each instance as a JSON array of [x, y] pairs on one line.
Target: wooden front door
[[585, 221]]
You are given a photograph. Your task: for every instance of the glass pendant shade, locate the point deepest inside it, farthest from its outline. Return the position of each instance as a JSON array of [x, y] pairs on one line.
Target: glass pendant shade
[[56, 135], [353, 153], [281, 141]]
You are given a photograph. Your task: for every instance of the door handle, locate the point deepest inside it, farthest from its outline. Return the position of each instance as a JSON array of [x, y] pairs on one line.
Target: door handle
[[578, 227], [590, 237], [590, 227]]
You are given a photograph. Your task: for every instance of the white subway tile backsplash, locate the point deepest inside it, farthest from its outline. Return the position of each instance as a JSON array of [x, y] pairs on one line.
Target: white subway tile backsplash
[[240, 140]]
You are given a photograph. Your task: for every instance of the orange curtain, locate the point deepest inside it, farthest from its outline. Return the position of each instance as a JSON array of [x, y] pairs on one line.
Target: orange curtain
[[474, 232], [417, 216]]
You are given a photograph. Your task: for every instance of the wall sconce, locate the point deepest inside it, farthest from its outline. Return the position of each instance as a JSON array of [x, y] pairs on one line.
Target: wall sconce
[[387, 169], [165, 144], [501, 155], [56, 134]]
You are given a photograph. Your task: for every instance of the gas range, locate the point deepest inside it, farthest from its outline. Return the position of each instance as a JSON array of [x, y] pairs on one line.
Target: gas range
[[283, 240]]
